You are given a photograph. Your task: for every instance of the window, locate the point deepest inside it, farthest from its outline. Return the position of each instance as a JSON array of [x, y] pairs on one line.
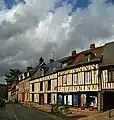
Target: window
[[32, 87], [88, 77], [46, 85], [111, 76], [64, 80], [32, 97], [75, 79], [87, 58], [64, 65], [65, 99], [60, 99], [93, 101], [83, 99], [49, 85], [75, 100], [69, 99], [41, 86], [42, 70]]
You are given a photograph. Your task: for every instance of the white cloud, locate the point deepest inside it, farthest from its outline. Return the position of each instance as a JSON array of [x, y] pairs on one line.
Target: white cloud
[[29, 31]]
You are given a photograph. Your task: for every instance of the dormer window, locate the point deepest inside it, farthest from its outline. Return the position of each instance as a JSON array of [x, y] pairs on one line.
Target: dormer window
[[42, 72], [54, 69], [89, 56], [21, 77], [27, 74], [64, 65]]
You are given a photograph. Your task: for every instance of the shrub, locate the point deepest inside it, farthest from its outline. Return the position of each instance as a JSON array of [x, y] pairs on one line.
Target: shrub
[[60, 109], [69, 112], [55, 108], [19, 102]]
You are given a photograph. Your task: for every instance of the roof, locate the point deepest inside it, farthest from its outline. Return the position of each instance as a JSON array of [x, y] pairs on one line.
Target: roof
[[80, 58], [97, 52], [65, 59], [53, 66], [37, 71], [13, 85], [108, 56], [76, 60], [80, 64]]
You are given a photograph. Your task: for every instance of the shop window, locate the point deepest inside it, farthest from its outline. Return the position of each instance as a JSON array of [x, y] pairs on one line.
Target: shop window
[[75, 100], [93, 101], [75, 79], [60, 99], [64, 80], [111, 76], [69, 99], [88, 77], [65, 99]]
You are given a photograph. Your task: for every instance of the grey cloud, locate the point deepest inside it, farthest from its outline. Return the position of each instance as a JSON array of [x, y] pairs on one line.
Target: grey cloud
[[30, 32]]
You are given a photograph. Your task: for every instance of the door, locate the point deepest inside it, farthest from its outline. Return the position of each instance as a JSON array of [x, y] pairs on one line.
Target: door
[[108, 101], [23, 97], [41, 99]]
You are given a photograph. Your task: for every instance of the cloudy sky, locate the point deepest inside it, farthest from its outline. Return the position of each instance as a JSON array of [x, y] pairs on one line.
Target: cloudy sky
[[28, 31]]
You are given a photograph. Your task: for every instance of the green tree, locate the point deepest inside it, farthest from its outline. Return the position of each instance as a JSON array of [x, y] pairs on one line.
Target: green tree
[[12, 76]]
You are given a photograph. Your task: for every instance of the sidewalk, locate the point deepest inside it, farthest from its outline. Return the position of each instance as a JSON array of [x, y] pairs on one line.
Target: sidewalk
[[79, 112], [45, 108], [75, 112]]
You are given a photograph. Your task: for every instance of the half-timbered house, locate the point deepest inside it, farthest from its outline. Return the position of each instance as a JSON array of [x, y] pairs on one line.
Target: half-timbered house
[[82, 80], [78, 83], [107, 77], [34, 85], [23, 86], [43, 88]]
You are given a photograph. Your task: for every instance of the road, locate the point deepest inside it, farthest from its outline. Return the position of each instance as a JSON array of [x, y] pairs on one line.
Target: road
[[18, 112]]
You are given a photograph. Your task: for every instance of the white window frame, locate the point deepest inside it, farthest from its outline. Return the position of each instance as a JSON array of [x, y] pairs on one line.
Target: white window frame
[[64, 80], [42, 72], [110, 76], [75, 78], [69, 99], [88, 78]]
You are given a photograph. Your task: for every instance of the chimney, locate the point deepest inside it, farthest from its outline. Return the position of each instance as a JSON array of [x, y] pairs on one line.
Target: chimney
[[41, 60], [92, 46], [51, 60], [73, 52], [29, 68]]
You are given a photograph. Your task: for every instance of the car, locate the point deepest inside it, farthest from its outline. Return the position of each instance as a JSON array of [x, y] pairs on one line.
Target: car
[[6, 101]]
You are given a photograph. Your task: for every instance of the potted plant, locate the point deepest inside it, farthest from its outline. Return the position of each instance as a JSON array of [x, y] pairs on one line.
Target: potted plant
[[90, 108], [83, 107]]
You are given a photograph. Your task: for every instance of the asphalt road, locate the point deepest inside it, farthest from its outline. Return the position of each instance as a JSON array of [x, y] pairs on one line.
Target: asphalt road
[[18, 112]]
